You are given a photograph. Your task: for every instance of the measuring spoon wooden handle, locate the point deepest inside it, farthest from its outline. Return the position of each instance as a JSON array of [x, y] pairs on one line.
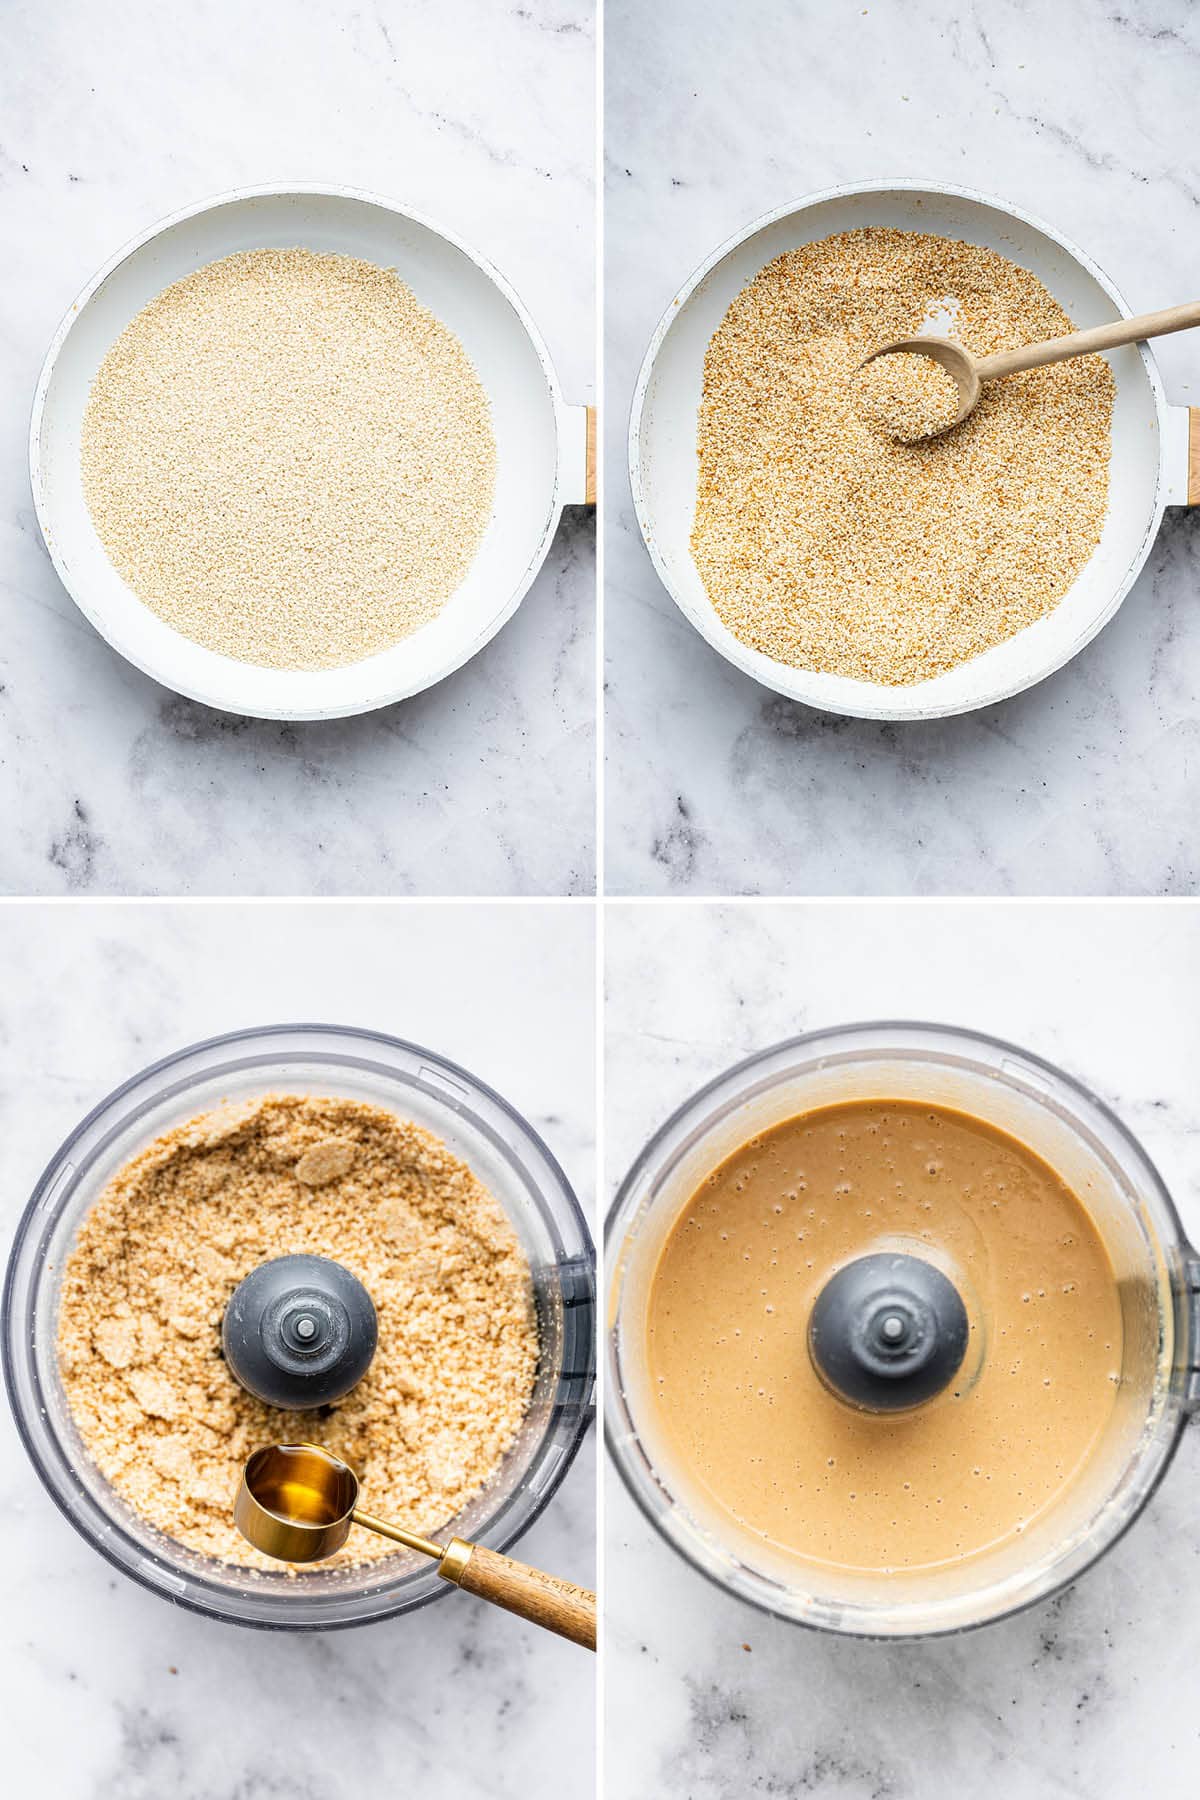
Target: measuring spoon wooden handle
[[1084, 343], [542, 1599]]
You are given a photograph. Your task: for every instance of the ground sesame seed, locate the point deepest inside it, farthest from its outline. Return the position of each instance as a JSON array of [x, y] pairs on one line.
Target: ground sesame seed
[[158, 1255]]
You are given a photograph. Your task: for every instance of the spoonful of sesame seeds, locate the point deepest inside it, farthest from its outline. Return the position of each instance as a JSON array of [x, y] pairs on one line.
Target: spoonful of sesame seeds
[[921, 386]]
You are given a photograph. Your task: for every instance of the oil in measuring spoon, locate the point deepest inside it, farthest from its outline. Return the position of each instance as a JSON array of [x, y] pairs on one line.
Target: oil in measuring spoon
[[298, 1488]]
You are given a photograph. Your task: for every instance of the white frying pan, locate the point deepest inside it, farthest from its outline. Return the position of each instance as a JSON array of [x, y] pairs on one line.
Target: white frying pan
[[541, 443], [1149, 456]]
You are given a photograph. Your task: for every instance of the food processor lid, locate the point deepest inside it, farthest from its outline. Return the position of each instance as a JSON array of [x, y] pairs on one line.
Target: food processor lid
[[888, 1331], [299, 1332]]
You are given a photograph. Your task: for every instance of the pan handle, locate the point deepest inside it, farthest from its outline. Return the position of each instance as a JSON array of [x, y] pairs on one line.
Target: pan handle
[[1181, 441], [577, 436]]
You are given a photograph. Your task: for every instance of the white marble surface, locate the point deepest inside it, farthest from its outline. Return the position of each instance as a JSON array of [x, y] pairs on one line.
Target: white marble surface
[[1079, 113], [107, 1692], [112, 116], [1092, 1696]]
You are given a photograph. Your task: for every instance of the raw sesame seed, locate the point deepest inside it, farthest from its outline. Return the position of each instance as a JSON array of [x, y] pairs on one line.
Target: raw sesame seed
[[289, 459]]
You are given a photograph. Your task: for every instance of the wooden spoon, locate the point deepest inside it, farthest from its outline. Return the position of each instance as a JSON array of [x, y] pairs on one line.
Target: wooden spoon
[[970, 371]]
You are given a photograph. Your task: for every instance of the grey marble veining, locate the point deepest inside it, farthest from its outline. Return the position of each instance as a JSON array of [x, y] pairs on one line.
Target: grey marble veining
[[482, 117], [1090, 1696], [1080, 114], [109, 1693]]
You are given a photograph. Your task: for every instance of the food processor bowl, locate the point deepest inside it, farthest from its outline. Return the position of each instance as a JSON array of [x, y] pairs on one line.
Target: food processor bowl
[[1156, 1271], [503, 1151]]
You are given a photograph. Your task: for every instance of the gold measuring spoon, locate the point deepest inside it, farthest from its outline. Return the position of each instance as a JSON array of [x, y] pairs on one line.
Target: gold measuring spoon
[[970, 372], [297, 1503]]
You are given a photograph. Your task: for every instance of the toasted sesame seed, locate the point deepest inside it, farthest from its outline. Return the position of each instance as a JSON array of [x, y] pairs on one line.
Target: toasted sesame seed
[[827, 544], [908, 396]]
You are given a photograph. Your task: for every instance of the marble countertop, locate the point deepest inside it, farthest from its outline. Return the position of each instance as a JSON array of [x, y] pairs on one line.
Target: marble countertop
[[483, 117], [1086, 784], [108, 1693], [1091, 1695]]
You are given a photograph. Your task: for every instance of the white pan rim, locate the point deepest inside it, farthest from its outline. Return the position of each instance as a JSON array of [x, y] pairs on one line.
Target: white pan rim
[[373, 696]]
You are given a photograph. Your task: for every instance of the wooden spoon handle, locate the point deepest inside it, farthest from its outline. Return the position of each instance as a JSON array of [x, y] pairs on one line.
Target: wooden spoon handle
[[542, 1599], [1084, 343]]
